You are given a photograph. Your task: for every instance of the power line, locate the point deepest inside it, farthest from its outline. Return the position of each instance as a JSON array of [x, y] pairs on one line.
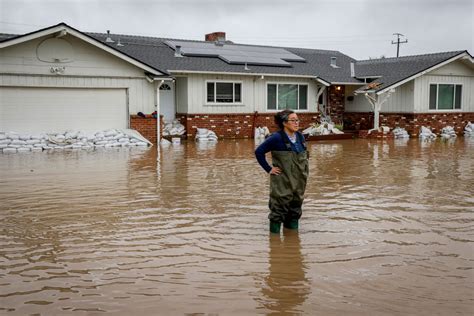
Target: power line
[[398, 41]]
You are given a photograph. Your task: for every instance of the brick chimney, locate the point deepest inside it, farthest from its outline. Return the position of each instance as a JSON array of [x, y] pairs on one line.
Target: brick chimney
[[215, 37]]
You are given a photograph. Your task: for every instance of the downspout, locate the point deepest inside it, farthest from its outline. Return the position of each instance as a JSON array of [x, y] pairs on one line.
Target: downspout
[[158, 117]]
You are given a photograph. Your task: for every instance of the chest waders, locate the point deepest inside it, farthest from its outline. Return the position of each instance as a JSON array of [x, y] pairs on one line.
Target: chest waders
[[287, 189]]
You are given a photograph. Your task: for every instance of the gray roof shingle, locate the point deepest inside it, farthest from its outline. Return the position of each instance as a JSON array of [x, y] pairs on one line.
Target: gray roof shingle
[[154, 52], [393, 70]]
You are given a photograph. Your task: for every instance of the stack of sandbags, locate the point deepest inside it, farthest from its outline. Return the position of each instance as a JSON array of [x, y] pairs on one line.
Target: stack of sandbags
[[12, 142], [261, 132], [448, 132], [400, 132], [322, 129], [469, 129], [174, 129], [426, 133], [204, 135]]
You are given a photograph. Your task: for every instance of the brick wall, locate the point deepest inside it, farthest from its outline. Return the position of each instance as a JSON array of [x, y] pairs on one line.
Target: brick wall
[[411, 122], [145, 126], [236, 125], [336, 103]]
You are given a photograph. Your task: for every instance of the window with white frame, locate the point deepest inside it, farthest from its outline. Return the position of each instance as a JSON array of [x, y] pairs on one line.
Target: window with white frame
[[445, 96], [287, 96], [224, 92]]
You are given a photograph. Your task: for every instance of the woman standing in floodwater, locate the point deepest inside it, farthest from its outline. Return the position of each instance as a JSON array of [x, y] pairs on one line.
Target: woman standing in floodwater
[[289, 172]]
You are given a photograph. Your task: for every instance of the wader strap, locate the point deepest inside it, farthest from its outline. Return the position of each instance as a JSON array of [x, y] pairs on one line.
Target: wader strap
[[285, 140]]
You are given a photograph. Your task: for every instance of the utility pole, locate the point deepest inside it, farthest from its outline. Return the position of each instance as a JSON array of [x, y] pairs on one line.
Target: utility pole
[[398, 41]]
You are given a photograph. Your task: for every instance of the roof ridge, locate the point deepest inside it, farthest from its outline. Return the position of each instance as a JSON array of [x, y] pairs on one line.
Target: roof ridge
[[410, 56], [203, 41]]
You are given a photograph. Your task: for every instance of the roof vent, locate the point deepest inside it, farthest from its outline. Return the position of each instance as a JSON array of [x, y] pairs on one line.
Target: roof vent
[[352, 70], [119, 43], [334, 62], [177, 51], [108, 39]]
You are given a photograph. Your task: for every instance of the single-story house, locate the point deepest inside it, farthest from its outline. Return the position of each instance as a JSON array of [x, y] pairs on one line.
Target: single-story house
[[61, 78]]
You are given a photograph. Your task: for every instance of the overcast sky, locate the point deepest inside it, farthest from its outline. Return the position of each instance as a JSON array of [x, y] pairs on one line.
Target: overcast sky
[[358, 28]]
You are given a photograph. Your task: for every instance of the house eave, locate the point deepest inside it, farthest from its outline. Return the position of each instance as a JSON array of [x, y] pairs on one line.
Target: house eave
[[462, 55], [62, 28], [252, 74]]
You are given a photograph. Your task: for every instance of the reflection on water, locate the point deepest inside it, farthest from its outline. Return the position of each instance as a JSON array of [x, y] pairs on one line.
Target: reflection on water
[[386, 230], [286, 286]]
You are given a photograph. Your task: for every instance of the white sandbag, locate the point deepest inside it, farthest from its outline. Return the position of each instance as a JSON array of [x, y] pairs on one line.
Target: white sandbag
[[399, 132], [5, 141], [336, 131], [110, 132], [142, 144], [9, 150], [165, 142], [12, 136], [3, 136], [37, 149], [3, 146], [32, 141], [18, 142], [71, 135], [25, 137], [202, 131], [124, 140], [23, 149]]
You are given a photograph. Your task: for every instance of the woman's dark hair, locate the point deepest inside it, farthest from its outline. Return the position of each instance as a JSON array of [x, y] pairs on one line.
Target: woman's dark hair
[[282, 117]]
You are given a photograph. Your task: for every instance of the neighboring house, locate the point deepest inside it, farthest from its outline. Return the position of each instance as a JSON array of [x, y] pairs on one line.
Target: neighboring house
[[59, 77], [433, 90]]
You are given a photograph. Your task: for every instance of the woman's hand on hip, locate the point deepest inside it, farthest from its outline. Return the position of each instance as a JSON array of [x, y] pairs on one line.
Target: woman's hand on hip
[[275, 171]]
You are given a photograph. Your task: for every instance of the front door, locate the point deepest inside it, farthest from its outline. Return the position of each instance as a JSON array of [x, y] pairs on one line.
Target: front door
[[167, 102]]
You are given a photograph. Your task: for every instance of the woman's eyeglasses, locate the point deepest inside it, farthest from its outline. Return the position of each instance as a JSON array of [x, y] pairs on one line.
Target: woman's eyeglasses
[[294, 121]]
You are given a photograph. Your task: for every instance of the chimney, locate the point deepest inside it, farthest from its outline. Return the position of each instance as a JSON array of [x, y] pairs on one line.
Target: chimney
[[109, 39], [334, 62], [352, 70], [217, 37]]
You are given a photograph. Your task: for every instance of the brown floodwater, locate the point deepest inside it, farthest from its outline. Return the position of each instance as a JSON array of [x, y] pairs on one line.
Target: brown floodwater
[[387, 229]]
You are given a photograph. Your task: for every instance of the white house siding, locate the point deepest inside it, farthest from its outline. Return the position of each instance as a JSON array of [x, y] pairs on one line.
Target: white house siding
[[181, 90], [401, 101], [196, 95], [454, 73], [89, 68], [254, 93]]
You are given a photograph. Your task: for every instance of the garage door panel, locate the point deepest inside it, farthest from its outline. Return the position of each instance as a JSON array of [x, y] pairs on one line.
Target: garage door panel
[[57, 109]]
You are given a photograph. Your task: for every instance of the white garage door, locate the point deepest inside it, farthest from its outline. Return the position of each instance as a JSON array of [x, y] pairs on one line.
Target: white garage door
[[59, 109]]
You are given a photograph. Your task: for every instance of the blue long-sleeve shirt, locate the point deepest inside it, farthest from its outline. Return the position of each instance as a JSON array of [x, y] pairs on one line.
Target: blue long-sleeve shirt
[[276, 143]]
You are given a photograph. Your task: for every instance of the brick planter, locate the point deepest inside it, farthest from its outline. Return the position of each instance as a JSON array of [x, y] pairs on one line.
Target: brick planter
[[237, 125], [146, 126], [411, 122]]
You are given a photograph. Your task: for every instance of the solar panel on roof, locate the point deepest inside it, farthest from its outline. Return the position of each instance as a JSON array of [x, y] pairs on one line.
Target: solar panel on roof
[[238, 54]]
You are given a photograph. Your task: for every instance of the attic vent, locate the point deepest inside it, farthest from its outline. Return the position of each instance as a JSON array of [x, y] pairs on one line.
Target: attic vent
[[177, 51], [334, 62], [109, 39]]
